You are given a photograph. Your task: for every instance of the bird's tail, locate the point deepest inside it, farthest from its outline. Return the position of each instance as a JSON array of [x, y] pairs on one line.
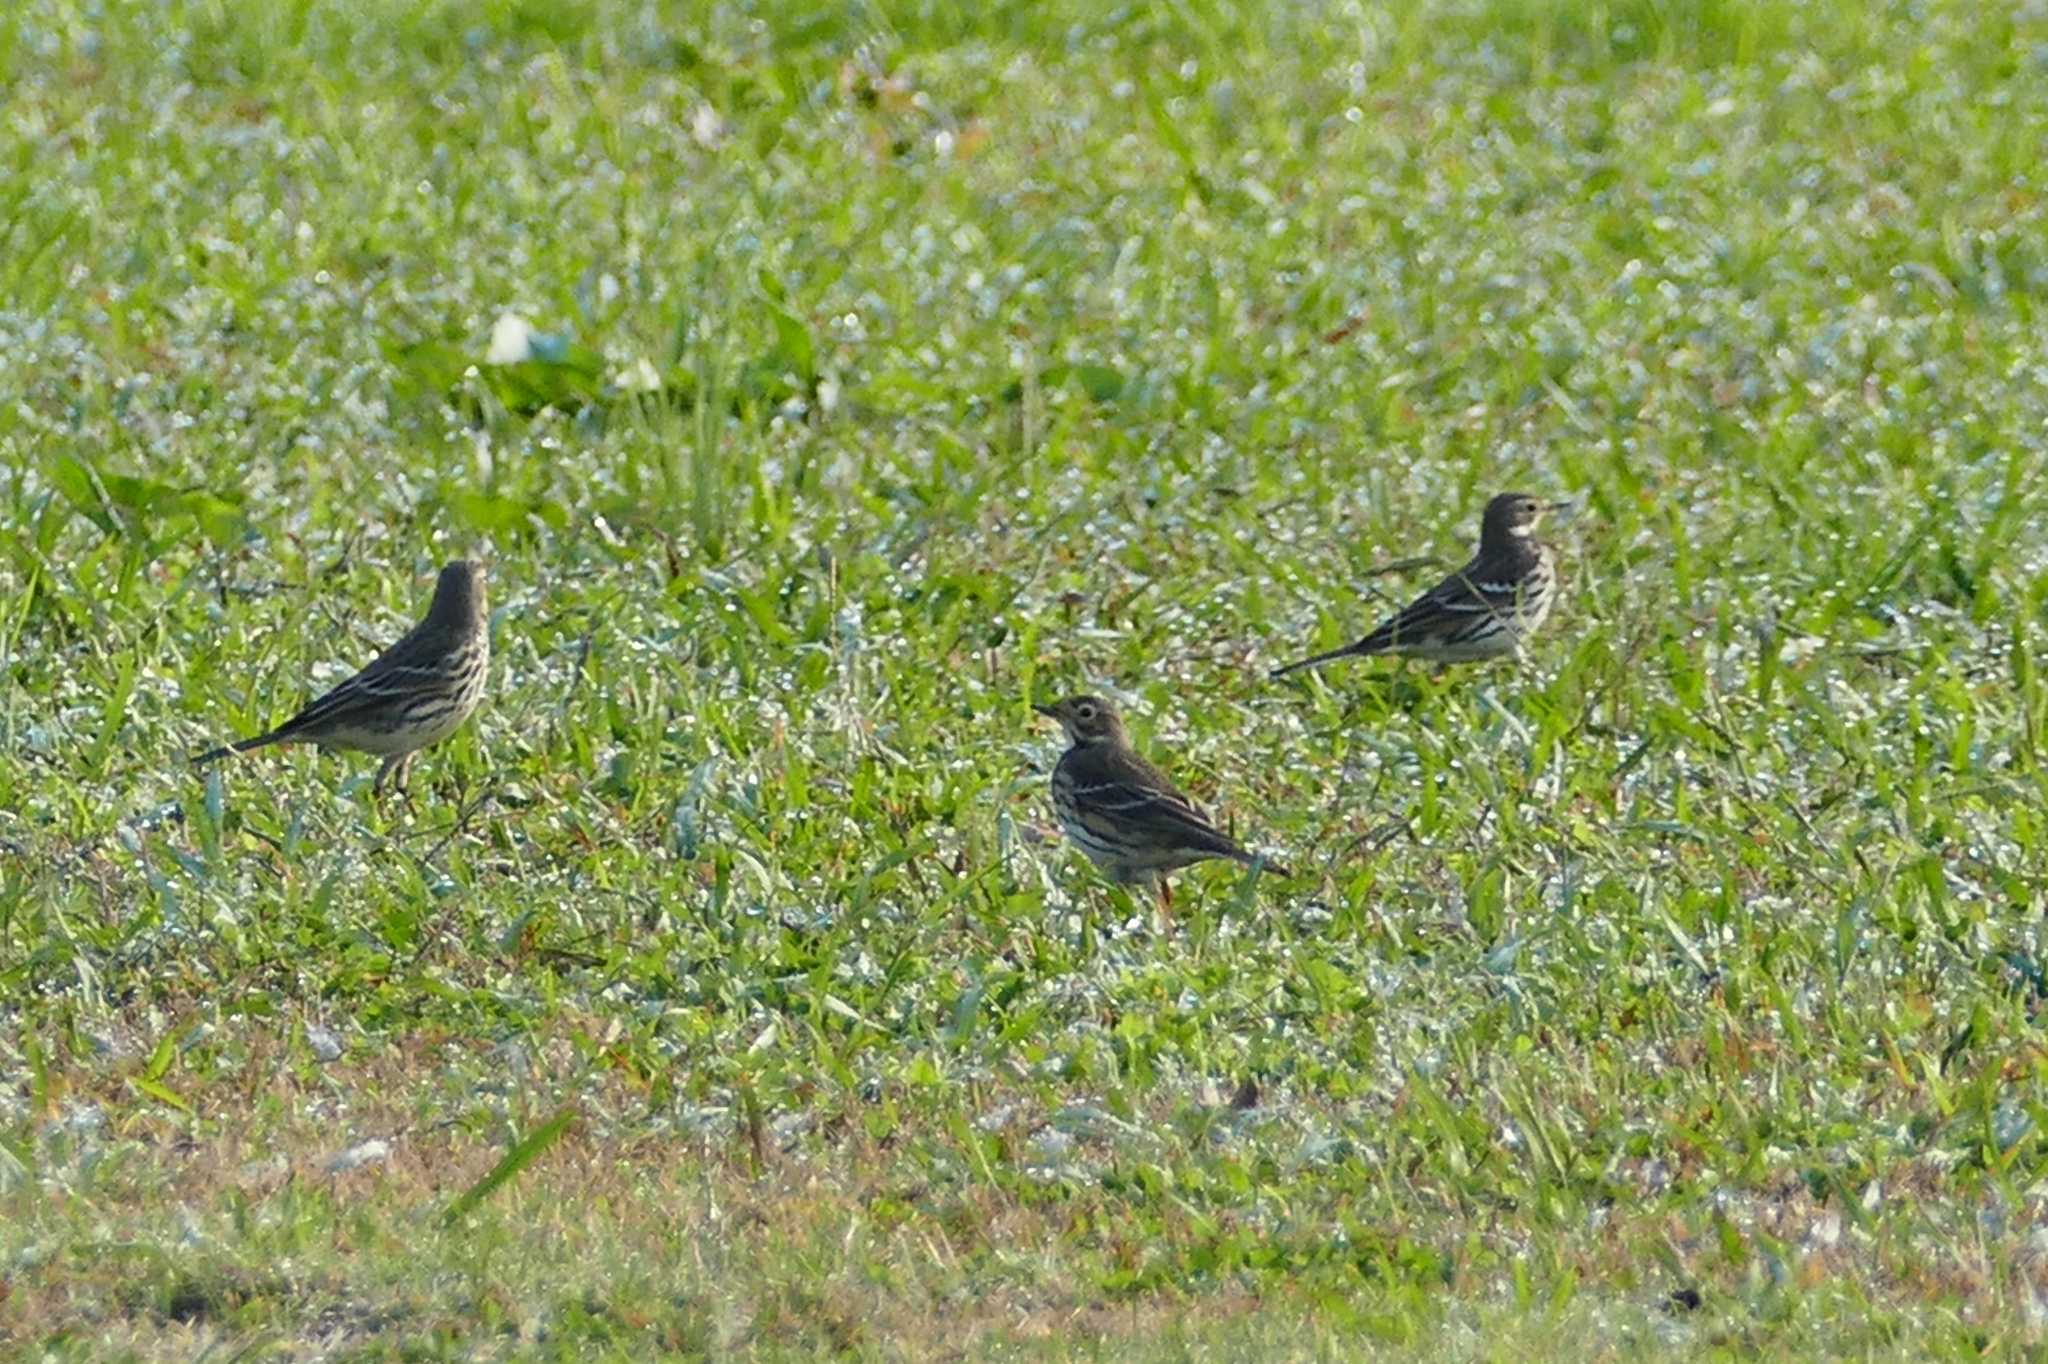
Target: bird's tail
[[1265, 865], [1359, 650], [238, 746]]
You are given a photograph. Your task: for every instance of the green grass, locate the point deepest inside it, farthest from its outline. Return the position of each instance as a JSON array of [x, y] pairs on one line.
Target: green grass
[[1676, 994]]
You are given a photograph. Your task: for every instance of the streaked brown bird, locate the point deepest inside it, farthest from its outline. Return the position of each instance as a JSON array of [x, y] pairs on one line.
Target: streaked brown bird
[[1487, 609], [1126, 814], [415, 693]]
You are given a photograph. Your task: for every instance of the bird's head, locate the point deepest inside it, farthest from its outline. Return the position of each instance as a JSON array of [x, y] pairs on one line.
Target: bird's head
[[459, 595], [1512, 516], [1086, 719]]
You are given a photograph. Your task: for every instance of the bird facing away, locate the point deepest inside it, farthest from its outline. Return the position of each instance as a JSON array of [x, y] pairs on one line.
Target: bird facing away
[[415, 693], [1126, 814], [1484, 610]]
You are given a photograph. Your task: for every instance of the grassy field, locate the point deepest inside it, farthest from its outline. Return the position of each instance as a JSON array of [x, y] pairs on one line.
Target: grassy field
[[726, 991]]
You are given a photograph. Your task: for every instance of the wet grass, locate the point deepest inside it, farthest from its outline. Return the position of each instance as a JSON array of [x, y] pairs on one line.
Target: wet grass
[[725, 990]]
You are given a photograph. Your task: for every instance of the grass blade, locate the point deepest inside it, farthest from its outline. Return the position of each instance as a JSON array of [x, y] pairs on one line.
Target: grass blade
[[523, 1154]]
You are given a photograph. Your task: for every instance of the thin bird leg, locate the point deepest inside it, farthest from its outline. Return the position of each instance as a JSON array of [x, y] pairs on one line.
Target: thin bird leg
[[403, 780], [393, 774], [1165, 904]]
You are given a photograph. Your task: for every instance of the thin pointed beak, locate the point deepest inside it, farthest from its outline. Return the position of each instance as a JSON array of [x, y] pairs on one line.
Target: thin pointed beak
[[1049, 712]]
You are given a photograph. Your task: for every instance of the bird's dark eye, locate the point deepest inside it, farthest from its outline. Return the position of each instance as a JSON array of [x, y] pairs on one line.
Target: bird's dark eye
[[1085, 712]]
